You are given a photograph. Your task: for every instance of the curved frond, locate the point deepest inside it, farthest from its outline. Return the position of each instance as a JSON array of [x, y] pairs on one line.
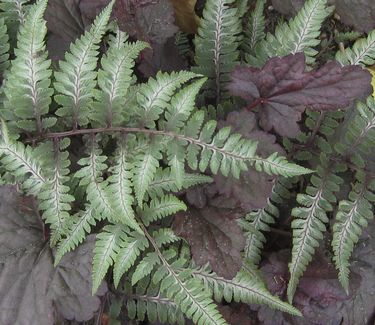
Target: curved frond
[[144, 169], [76, 79], [257, 222], [243, 288], [216, 45], [54, 198], [120, 188], [107, 246], [114, 80], [161, 207], [254, 28], [4, 47], [352, 216], [21, 163], [79, 226], [362, 52], [300, 34], [27, 87], [164, 182], [127, 255], [153, 97], [309, 221]]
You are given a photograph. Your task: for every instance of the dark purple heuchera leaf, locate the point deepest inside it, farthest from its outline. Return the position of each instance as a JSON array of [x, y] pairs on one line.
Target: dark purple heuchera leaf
[[283, 89], [32, 290], [214, 237]]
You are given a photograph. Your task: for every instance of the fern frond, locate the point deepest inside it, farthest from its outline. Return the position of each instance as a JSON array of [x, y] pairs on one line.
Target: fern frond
[[359, 137], [254, 28], [144, 169], [181, 106], [157, 308], [310, 219], [301, 34], [257, 222], [164, 182], [189, 295], [243, 288], [14, 13], [216, 45], [76, 80], [160, 208], [362, 52], [114, 80], [145, 267], [164, 236], [91, 177], [21, 163], [27, 87], [54, 197], [278, 165], [80, 226], [127, 255], [352, 216], [120, 188], [107, 246], [4, 47], [153, 97]]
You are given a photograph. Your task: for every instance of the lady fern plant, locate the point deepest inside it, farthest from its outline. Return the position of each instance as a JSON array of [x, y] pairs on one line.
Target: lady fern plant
[[96, 165]]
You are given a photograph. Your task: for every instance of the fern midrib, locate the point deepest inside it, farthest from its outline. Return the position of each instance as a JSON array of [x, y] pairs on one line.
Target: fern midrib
[[360, 57], [114, 86], [110, 247], [217, 48], [175, 276], [122, 180], [254, 30], [307, 26], [57, 198], [157, 132], [370, 125], [77, 87], [26, 163], [306, 230], [154, 299], [73, 232], [252, 236], [344, 233], [253, 292]]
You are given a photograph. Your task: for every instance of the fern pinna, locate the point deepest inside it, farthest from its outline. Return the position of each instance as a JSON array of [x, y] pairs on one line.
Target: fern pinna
[[127, 191]]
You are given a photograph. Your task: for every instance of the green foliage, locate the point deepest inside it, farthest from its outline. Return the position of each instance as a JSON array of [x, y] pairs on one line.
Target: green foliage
[[352, 216], [257, 222], [76, 80], [362, 52], [4, 47], [300, 34], [216, 45], [310, 219], [255, 28], [27, 87], [243, 288]]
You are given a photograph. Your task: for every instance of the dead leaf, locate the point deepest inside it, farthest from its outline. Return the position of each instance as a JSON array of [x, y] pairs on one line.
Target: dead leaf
[[214, 237], [36, 291], [283, 89], [186, 17]]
